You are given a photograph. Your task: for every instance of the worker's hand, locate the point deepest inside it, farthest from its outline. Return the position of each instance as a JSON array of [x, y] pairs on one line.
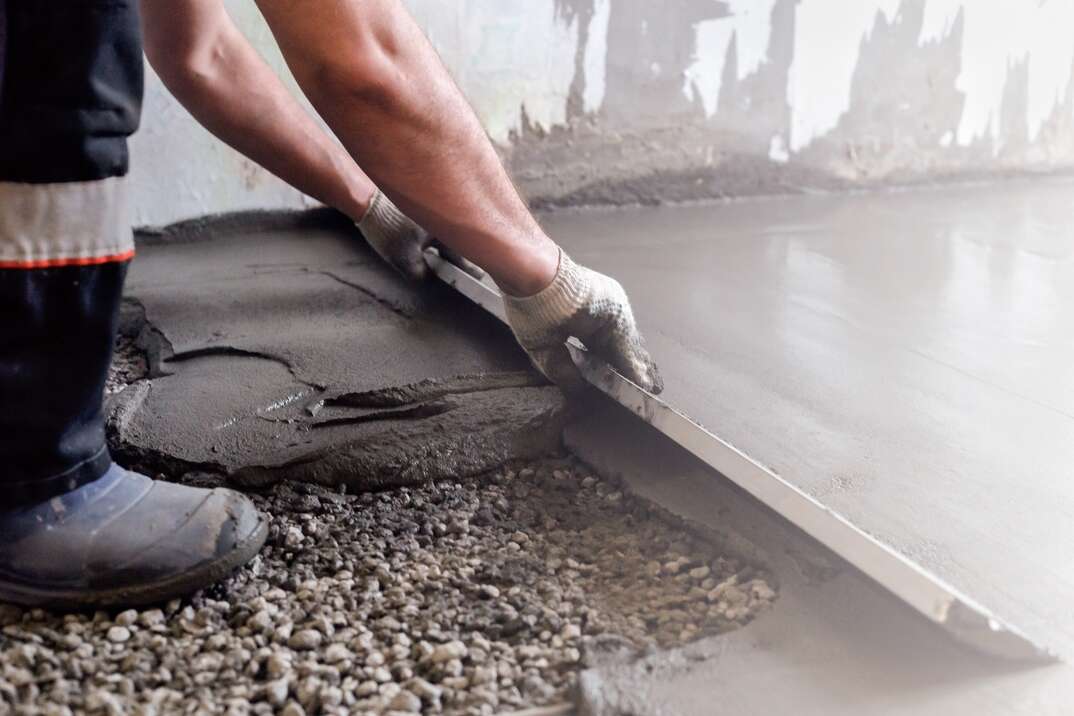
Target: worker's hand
[[402, 243], [591, 307]]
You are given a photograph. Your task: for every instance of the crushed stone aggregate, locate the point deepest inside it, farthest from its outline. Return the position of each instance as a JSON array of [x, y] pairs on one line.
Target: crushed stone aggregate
[[468, 597], [472, 597]]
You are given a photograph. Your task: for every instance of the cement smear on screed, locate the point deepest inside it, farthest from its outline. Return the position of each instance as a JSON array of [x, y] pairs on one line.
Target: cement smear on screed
[[295, 353]]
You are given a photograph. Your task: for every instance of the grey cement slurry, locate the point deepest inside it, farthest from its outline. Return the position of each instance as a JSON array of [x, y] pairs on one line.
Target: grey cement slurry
[[960, 615], [835, 645], [903, 358], [291, 352], [744, 266]]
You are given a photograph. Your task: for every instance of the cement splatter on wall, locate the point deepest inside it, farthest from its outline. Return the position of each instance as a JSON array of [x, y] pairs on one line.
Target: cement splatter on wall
[[820, 76], [749, 25]]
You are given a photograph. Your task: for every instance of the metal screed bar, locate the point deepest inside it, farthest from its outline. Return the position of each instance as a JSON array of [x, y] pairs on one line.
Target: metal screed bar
[[964, 618]]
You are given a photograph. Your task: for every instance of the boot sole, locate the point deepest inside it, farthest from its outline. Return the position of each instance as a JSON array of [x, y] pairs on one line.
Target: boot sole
[[157, 592]]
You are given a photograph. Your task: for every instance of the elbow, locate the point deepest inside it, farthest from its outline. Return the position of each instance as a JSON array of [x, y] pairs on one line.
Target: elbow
[[371, 74], [185, 68]]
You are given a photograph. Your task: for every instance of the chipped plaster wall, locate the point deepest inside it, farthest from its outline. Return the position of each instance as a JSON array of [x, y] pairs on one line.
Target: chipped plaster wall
[[612, 101]]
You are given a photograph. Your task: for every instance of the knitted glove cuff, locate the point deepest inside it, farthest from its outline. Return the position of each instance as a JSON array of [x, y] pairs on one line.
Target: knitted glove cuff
[[383, 219], [559, 301]]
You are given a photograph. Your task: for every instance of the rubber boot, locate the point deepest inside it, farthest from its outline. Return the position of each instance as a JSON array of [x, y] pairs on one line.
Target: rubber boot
[[124, 540], [75, 529]]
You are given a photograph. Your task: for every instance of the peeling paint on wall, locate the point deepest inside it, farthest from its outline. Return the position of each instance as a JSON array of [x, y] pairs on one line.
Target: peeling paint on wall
[[512, 58], [753, 33], [999, 35], [704, 78], [596, 56], [828, 35], [749, 26]]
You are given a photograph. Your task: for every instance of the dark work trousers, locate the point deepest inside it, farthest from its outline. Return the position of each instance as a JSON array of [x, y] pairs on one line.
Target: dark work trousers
[[70, 95]]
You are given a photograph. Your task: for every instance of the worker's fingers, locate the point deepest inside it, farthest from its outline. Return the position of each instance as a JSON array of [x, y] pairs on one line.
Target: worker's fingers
[[613, 335], [395, 237], [619, 343], [593, 308], [454, 257], [556, 364], [404, 252], [408, 257]]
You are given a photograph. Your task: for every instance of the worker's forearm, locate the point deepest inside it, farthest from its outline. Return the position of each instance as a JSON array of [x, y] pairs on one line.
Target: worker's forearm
[[381, 87], [230, 90]]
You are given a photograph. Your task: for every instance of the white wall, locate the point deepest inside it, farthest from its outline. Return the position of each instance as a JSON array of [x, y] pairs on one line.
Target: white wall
[[505, 54], [666, 100], [180, 171]]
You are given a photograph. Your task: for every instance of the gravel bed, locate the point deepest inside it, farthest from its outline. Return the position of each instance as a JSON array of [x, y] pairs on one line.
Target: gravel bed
[[477, 597], [474, 597]]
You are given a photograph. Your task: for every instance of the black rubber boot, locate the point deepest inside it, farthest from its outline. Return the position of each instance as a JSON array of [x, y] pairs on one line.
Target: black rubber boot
[[124, 540], [76, 530]]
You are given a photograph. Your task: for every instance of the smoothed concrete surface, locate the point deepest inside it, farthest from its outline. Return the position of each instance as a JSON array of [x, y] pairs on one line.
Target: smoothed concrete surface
[[835, 643], [288, 351], [963, 617], [905, 358]]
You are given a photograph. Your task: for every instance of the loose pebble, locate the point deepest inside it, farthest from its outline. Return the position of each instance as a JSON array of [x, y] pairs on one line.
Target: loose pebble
[[406, 702], [119, 634], [305, 640], [127, 618]]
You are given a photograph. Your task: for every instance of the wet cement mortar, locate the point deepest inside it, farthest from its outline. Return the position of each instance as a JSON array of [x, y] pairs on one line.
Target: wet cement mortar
[[461, 596], [128, 365]]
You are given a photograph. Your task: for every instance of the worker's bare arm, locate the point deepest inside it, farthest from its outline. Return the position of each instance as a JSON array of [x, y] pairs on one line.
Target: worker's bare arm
[[377, 81], [220, 78]]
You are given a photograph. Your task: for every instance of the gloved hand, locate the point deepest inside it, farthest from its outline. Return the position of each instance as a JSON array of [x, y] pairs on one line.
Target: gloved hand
[[591, 307], [402, 243]]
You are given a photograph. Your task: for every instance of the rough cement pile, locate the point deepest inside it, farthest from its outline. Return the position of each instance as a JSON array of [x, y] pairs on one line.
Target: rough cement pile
[[476, 597]]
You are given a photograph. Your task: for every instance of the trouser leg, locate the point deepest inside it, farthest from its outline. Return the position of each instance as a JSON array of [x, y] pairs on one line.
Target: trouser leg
[[71, 91], [70, 95], [75, 530], [55, 349]]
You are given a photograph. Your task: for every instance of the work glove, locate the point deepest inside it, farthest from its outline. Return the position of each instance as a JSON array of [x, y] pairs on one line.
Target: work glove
[[591, 307], [402, 243]]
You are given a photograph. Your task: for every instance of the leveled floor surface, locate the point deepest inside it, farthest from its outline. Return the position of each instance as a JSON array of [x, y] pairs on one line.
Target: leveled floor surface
[[905, 358]]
